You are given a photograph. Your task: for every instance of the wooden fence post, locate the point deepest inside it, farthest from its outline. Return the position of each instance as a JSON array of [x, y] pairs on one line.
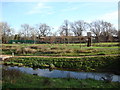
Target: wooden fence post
[[89, 39]]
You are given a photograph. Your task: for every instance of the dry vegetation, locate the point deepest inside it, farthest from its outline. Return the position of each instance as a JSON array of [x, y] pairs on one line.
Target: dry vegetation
[[60, 49]]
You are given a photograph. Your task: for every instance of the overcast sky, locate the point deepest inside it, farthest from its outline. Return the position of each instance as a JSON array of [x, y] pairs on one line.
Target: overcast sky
[[54, 13]]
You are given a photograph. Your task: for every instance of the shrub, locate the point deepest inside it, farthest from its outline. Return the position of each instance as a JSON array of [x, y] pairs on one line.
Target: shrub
[[54, 48], [36, 47], [68, 51], [11, 74], [24, 50], [101, 53], [82, 51]]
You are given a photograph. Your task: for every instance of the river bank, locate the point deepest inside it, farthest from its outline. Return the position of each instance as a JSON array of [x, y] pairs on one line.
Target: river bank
[[17, 79], [95, 64]]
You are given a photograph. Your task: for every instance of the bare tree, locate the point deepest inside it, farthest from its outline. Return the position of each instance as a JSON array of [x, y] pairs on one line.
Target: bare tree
[[103, 30], [95, 28], [7, 32], [33, 34], [43, 30], [78, 27], [26, 31], [107, 31], [64, 29]]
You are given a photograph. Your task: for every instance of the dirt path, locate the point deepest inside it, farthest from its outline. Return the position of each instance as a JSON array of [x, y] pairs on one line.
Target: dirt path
[[8, 56], [3, 57], [71, 56]]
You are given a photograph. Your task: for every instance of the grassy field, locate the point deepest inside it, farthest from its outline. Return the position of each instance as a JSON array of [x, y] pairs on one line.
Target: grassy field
[[61, 49], [16, 79]]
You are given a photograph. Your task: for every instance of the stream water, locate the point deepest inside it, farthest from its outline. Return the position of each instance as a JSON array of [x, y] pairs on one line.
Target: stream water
[[66, 74]]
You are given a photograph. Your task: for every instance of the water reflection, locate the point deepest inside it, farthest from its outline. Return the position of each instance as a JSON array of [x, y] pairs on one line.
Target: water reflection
[[66, 74]]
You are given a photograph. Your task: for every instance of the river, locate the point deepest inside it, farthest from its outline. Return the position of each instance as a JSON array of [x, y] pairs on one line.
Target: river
[[66, 74]]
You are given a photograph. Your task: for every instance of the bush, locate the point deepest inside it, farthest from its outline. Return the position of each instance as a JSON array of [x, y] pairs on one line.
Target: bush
[[54, 48], [24, 50], [82, 51], [101, 53], [68, 51]]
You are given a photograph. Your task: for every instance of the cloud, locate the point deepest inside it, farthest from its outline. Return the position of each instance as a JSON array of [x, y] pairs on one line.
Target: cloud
[[39, 8], [113, 16]]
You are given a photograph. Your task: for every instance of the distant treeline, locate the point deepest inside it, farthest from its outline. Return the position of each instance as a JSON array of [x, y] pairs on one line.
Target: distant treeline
[[68, 32]]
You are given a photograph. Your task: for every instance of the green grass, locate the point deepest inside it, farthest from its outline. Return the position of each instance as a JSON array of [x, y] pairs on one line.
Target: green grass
[[16, 79]]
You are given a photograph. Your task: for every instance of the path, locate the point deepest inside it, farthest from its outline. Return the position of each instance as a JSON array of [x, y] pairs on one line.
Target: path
[[71, 56], [3, 57]]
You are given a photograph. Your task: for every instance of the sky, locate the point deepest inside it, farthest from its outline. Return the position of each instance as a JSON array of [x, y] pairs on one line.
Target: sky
[[54, 13]]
